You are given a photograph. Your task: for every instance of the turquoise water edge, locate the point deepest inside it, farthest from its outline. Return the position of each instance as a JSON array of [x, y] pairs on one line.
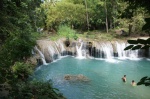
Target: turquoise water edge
[[104, 78]]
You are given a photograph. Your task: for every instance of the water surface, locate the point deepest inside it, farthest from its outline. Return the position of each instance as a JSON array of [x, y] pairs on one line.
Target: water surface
[[105, 78]]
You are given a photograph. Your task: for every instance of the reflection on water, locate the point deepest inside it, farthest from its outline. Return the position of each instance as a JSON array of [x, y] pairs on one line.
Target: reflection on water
[[104, 75]]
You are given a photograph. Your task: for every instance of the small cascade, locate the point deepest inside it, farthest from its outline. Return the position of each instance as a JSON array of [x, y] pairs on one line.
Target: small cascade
[[57, 49], [41, 55], [102, 50], [120, 50], [62, 48], [81, 54], [132, 54], [57, 52], [108, 50], [105, 50], [51, 51]]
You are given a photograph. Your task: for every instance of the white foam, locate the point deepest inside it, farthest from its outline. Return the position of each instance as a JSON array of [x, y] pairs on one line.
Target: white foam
[[112, 60], [134, 59], [148, 59]]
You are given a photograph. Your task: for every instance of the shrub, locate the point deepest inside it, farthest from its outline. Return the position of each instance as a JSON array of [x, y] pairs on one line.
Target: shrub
[[34, 90], [22, 70], [66, 31]]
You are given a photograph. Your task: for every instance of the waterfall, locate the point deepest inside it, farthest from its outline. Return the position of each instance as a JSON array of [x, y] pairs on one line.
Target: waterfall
[[120, 50], [41, 55], [108, 50], [57, 49], [51, 51], [132, 54], [57, 52], [98, 49], [81, 54], [62, 48], [102, 50]]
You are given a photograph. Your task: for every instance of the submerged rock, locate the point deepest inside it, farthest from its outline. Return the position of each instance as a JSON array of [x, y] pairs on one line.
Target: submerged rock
[[79, 77]]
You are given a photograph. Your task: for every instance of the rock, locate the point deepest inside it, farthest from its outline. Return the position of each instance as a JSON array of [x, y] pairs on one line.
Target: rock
[[79, 77]]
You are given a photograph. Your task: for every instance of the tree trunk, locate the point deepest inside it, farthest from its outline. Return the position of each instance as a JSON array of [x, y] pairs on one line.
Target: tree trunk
[[130, 29], [87, 16], [106, 17], [114, 12], [111, 23]]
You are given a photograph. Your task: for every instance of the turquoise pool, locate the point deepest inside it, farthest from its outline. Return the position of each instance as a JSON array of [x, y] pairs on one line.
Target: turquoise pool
[[104, 75]]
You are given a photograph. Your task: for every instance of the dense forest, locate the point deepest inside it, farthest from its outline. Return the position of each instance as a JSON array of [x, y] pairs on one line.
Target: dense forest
[[90, 15], [22, 20]]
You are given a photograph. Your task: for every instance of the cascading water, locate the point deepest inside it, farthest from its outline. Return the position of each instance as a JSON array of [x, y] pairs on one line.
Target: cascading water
[[120, 50], [108, 50], [133, 54], [51, 51], [41, 55], [81, 54], [130, 54], [62, 48], [57, 49], [102, 50]]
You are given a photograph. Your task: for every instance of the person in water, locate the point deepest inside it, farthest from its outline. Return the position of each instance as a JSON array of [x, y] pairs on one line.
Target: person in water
[[124, 78], [133, 83]]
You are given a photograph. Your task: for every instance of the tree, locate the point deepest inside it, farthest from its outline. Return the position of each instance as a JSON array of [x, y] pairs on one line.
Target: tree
[[16, 36], [17, 26], [146, 26], [87, 16], [106, 16], [64, 13], [134, 6], [139, 3]]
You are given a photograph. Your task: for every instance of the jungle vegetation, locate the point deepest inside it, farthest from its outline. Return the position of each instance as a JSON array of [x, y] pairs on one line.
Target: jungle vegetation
[[23, 21]]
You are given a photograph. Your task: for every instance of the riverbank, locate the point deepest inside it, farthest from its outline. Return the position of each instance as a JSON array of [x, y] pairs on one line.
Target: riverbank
[[91, 35]]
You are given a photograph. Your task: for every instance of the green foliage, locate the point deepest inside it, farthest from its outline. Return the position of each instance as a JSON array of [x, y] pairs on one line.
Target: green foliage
[[18, 21], [129, 47], [139, 3], [41, 17], [144, 81], [132, 42], [138, 20], [138, 44], [22, 70], [16, 39], [63, 13], [146, 26], [34, 90], [123, 23], [67, 32], [73, 13]]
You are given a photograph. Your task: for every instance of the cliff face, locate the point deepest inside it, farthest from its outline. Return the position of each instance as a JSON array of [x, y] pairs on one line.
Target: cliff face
[[52, 50]]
